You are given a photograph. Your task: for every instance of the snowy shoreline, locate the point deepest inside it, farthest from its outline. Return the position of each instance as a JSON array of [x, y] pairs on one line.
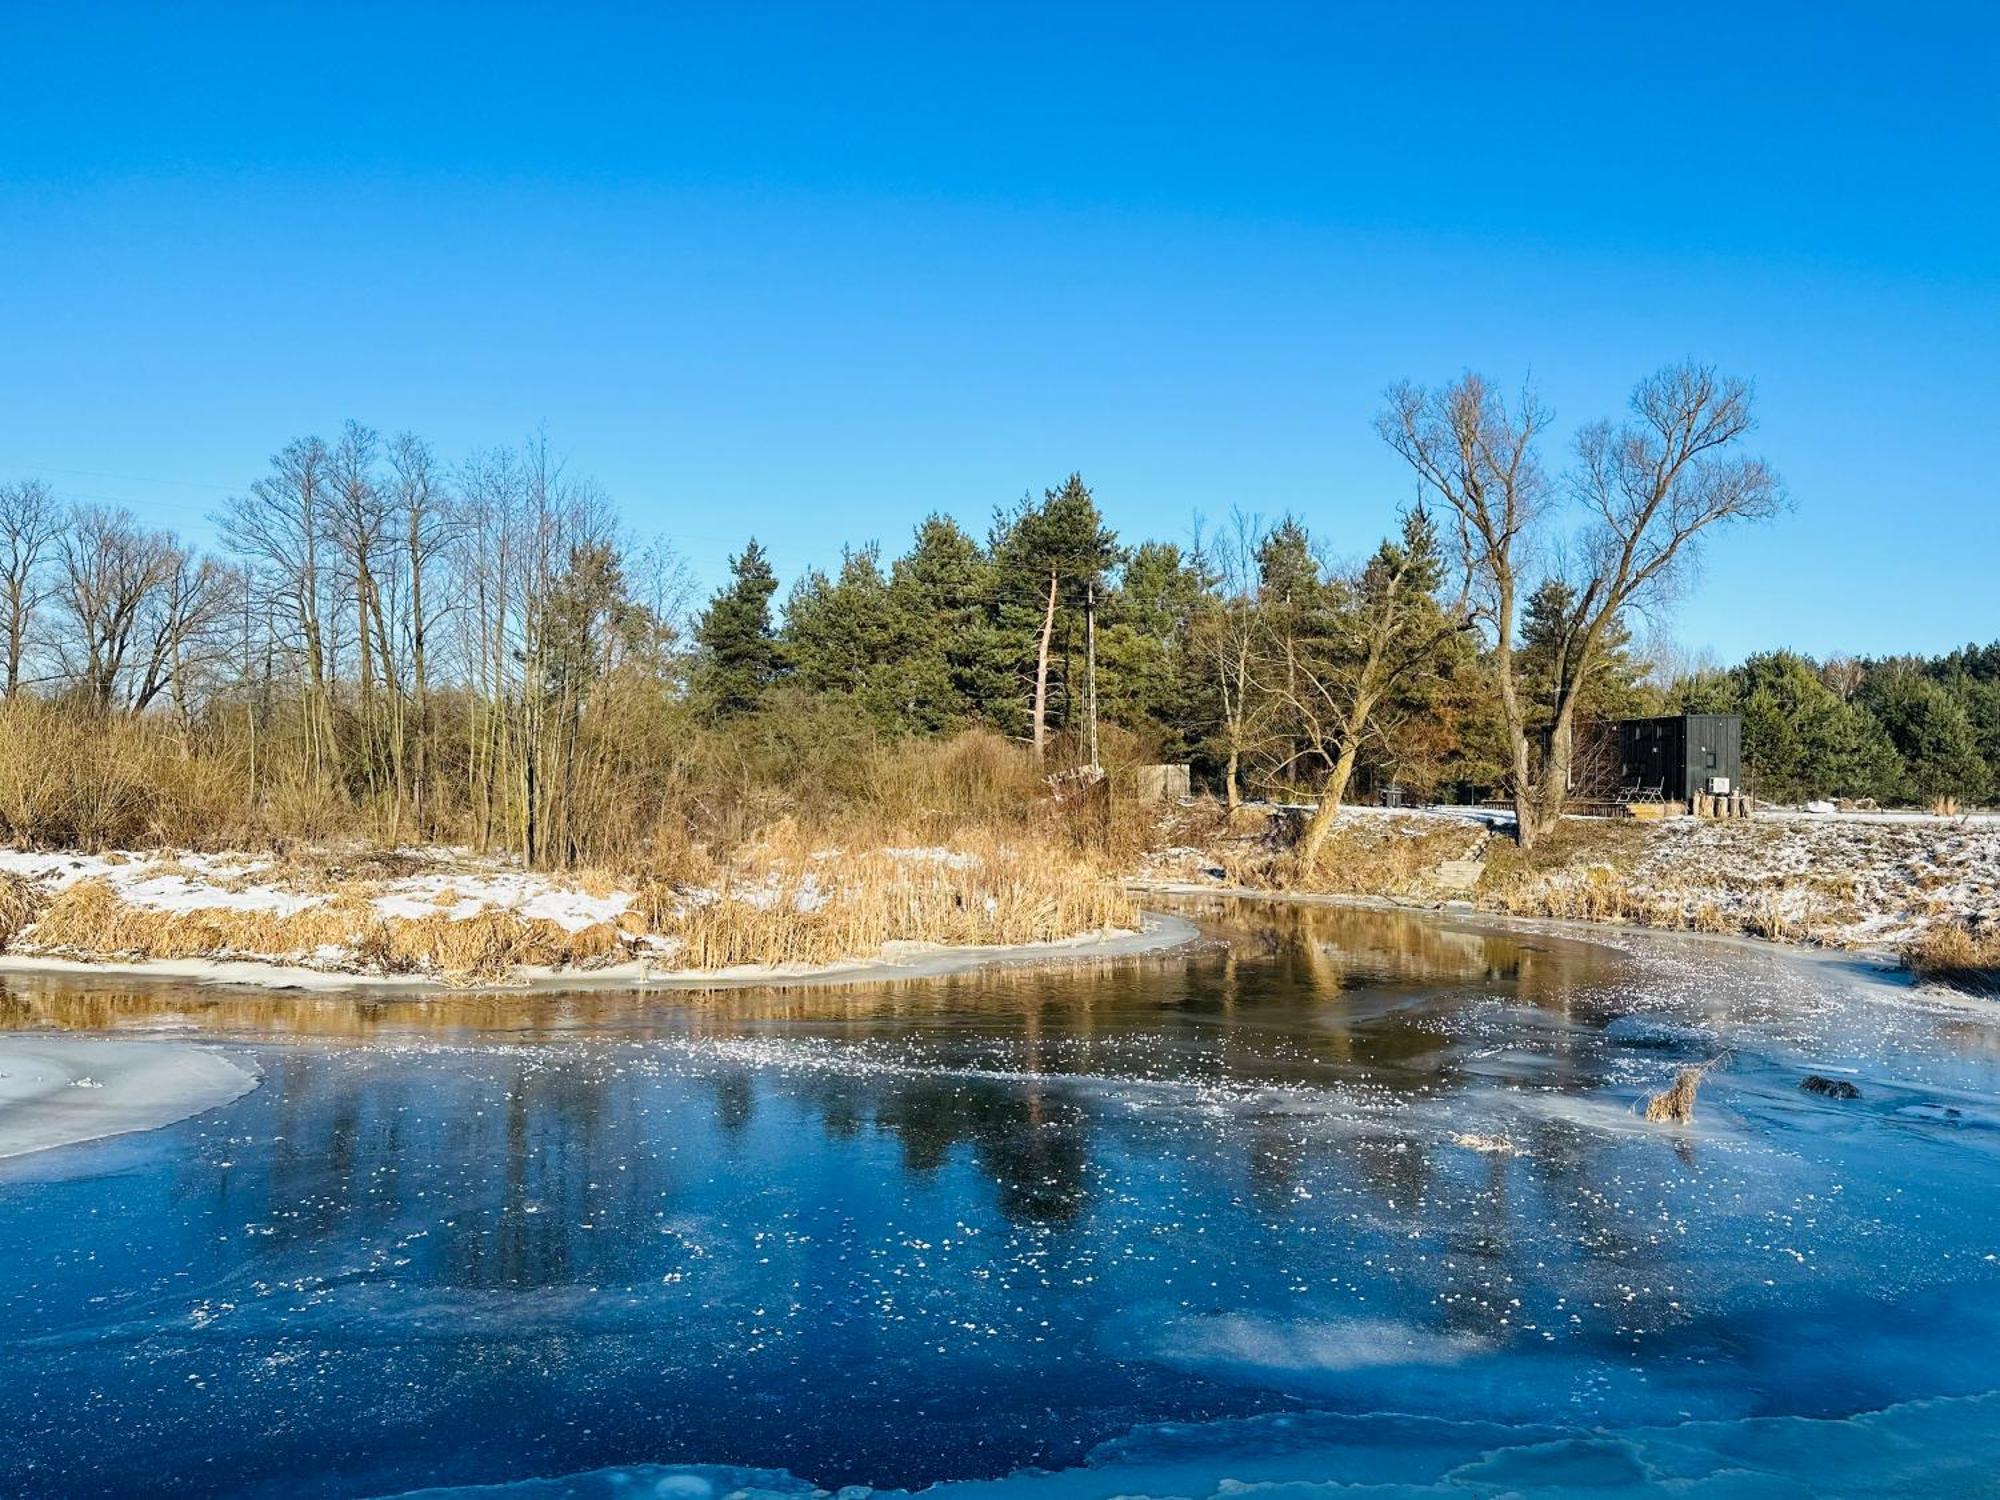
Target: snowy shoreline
[[1880, 964], [1871, 886], [1160, 934], [426, 919]]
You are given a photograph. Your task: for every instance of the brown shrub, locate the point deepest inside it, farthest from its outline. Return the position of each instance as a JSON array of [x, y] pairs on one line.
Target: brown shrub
[[825, 911], [1368, 855]]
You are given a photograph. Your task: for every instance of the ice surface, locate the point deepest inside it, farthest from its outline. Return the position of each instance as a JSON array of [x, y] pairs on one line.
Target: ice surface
[[59, 1090], [1925, 1450], [1230, 1222]]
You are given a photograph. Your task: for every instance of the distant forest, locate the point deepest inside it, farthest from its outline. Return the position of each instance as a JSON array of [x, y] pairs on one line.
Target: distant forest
[[481, 651]]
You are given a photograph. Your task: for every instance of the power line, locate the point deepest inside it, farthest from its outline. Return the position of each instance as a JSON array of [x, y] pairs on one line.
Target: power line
[[191, 484]]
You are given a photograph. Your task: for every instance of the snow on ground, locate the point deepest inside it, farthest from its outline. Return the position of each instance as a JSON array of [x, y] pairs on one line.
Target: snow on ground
[[168, 881], [412, 885], [534, 897], [1857, 880], [1850, 879], [57, 1090]]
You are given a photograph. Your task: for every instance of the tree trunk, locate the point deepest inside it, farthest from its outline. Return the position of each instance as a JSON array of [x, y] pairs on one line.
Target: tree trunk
[[419, 684], [1546, 807], [1324, 816], [1090, 668], [1042, 673], [1525, 827], [1232, 797]]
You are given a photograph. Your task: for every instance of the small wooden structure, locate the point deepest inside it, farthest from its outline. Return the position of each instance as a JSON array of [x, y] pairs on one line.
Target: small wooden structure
[[1685, 758], [1707, 805], [1164, 783]]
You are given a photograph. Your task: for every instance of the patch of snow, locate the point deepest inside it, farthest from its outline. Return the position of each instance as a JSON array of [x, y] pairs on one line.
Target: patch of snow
[[955, 859], [179, 894]]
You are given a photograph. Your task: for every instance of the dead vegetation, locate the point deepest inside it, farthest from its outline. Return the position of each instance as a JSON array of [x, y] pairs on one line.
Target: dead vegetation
[[776, 908], [85, 781], [793, 899], [1675, 1105], [90, 920], [1803, 881], [1363, 854], [21, 903], [792, 896], [1962, 953], [957, 842]]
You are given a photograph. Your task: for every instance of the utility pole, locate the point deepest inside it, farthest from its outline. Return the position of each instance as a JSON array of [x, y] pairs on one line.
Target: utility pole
[[1090, 666]]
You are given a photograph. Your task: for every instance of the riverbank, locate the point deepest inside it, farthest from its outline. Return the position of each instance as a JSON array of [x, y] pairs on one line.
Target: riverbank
[[1923, 891], [1156, 933], [425, 918], [1913, 888]]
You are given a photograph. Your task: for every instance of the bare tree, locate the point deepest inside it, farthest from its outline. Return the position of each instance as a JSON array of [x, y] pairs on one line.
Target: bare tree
[[1649, 488], [1478, 456], [427, 526], [109, 571], [30, 519], [359, 524], [1844, 676], [181, 630], [280, 529], [1227, 633], [1646, 490], [1379, 627]]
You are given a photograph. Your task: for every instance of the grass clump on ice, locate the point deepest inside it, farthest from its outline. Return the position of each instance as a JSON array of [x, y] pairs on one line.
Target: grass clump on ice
[[1675, 1105]]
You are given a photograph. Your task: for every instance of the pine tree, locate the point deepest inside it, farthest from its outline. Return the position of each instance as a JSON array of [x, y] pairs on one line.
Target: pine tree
[[1800, 740], [839, 634], [1050, 560], [1152, 682], [954, 667], [1547, 652], [1932, 732], [739, 654]]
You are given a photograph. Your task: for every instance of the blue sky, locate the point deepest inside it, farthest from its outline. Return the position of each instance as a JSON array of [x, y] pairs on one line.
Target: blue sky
[[813, 271]]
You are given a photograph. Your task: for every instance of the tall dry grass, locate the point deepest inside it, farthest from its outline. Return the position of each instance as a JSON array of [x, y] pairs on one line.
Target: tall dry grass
[[851, 905], [70, 778], [1958, 953], [21, 904], [90, 919], [729, 849]]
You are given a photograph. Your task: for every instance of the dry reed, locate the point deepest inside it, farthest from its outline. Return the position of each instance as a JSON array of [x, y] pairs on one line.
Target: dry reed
[[21, 903], [1957, 952], [91, 920], [1675, 1105]]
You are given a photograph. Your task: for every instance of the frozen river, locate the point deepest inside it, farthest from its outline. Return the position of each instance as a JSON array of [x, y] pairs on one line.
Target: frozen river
[[1359, 1198]]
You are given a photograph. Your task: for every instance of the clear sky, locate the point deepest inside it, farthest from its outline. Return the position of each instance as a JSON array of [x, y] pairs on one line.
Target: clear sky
[[813, 271]]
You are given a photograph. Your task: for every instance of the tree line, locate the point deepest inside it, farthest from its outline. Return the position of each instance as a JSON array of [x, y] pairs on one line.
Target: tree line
[[480, 650]]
